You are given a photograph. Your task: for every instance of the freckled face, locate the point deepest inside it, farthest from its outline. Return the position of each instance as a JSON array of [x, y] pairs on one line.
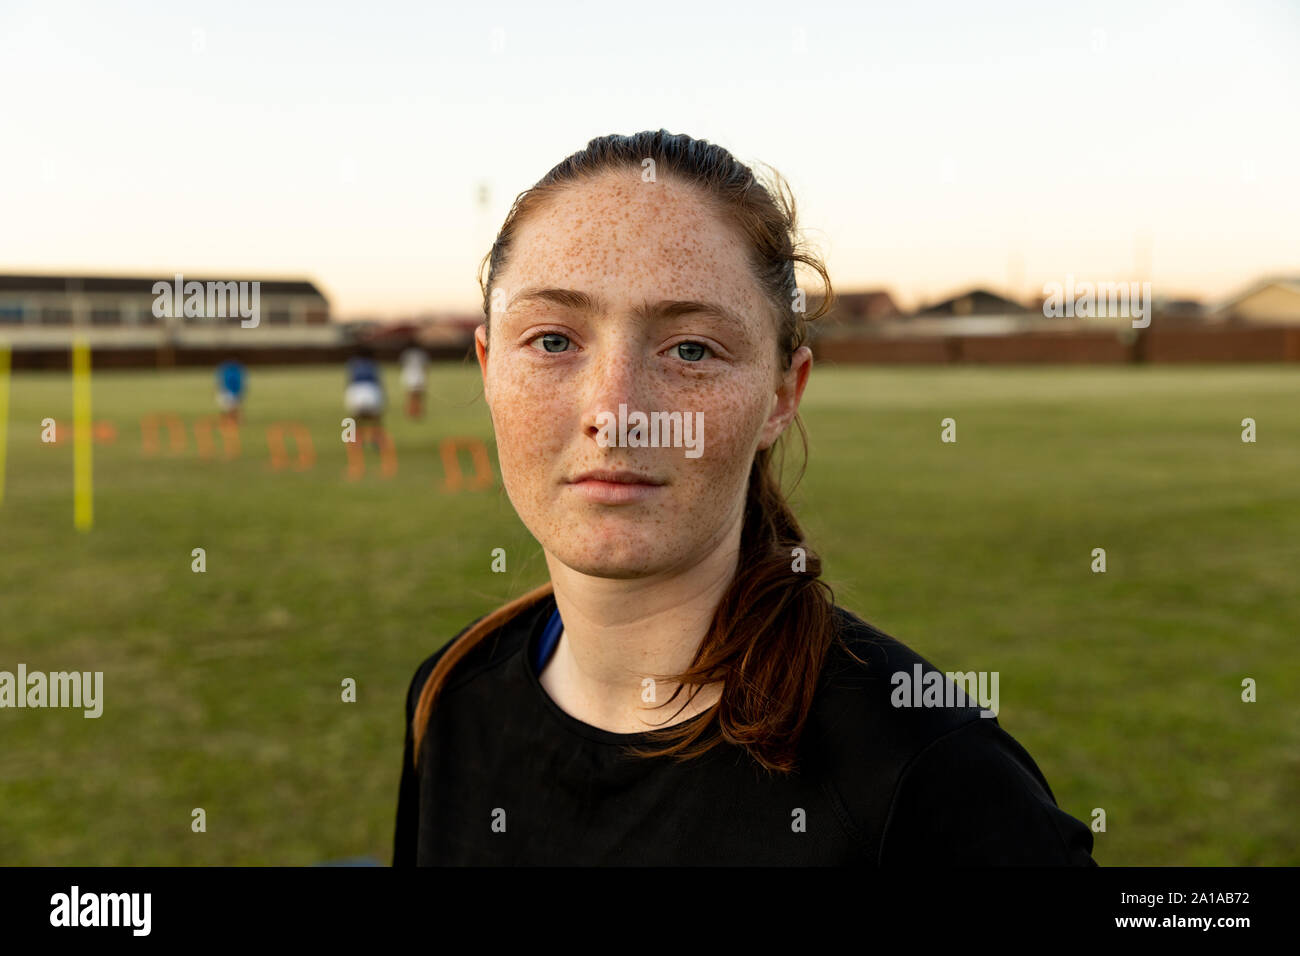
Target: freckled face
[[552, 366]]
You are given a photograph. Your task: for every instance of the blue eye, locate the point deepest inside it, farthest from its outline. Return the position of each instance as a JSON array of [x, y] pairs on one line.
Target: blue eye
[[550, 339], [691, 351]]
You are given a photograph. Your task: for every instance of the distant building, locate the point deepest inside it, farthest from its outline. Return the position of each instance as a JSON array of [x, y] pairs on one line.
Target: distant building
[[862, 308], [972, 302], [442, 335], [1178, 311], [449, 333], [43, 311], [852, 312], [1273, 300]]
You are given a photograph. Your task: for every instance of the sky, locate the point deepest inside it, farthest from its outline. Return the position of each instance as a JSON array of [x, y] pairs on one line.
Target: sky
[[930, 147]]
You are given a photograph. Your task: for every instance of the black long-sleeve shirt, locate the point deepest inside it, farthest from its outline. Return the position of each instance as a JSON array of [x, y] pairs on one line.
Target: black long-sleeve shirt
[[508, 778]]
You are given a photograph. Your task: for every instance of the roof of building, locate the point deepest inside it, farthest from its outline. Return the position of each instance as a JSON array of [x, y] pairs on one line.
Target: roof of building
[[871, 303], [135, 285], [1290, 282], [974, 302]]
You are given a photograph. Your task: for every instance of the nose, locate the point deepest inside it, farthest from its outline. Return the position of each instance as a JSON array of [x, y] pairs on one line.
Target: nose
[[614, 376]]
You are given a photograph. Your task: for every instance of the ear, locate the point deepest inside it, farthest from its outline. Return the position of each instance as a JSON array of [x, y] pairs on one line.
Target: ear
[[788, 393], [480, 349]]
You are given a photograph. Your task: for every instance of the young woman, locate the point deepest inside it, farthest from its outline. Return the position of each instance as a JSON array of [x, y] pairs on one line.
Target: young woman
[[363, 395], [230, 390], [413, 361], [684, 690]]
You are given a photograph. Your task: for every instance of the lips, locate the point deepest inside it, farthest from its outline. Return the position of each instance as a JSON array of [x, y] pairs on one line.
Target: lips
[[617, 477], [611, 486]]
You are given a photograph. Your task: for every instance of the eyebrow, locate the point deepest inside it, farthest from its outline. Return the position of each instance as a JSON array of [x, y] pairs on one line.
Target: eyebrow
[[664, 309]]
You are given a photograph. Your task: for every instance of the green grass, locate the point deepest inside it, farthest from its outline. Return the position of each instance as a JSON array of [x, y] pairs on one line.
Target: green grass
[[222, 690]]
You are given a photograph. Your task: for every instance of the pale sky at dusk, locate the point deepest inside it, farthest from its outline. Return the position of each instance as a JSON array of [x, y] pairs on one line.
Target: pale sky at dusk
[[930, 147]]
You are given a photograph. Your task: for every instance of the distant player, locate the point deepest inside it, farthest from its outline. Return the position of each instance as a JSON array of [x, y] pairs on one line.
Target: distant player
[[230, 390], [364, 395], [414, 360]]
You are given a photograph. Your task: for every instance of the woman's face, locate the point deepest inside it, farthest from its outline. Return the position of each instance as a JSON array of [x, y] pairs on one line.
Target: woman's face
[[582, 323]]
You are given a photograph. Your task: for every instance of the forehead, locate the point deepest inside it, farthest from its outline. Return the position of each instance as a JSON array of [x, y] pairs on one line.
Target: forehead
[[622, 238]]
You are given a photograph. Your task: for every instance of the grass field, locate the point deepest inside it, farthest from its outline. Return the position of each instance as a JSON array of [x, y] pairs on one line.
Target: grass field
[[222, 689]]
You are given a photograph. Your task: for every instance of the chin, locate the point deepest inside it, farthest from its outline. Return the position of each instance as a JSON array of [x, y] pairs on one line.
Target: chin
[[629, 558], [606, 570]]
